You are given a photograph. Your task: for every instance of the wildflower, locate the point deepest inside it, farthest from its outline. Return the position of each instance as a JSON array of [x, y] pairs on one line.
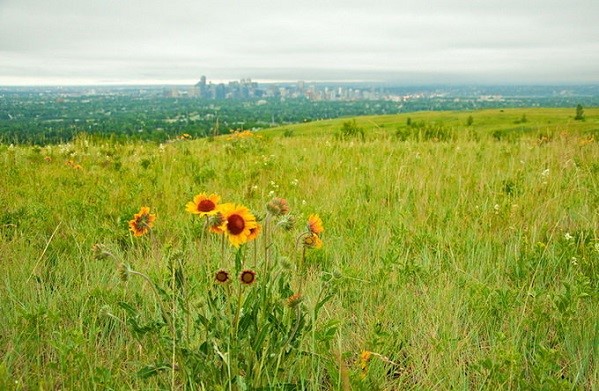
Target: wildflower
[[215, 223], [100, 251], [315, 224], [568, 237], [364, 359], [124, 270], [203, 205], [247, 277], [287, 222], [278, 206], [222, 277], [545, 173], [254, 232], [294, 300], [142, 222], [312, 241], [238, 223]]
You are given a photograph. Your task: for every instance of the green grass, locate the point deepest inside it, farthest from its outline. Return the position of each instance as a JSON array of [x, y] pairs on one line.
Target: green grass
[[466, 257]]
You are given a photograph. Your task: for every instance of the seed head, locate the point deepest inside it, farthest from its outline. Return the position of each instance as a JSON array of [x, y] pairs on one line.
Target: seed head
[[124, 271], [278, 207]]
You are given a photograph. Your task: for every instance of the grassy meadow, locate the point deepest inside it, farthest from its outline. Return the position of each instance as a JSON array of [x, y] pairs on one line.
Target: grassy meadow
[[460, 251]]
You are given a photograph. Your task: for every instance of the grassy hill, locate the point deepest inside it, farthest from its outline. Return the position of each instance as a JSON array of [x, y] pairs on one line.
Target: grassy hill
[[460, 250]]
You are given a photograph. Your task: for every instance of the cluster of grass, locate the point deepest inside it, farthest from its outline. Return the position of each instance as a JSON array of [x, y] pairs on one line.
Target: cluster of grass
[[467, 261]]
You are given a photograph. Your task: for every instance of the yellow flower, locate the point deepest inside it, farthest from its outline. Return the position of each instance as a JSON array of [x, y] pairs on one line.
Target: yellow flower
[[142, 222], [238, 223], [203, 205], [364, 359], [312, 241], [315, 224]]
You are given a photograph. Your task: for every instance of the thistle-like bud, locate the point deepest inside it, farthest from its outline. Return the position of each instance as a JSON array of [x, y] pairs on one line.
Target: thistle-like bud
[[124, 271], [278, 207], [215, 223], [100, 251], [287, 222]]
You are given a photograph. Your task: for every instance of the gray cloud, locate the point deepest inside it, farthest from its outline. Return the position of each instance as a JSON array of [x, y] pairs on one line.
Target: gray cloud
[[71, 41]]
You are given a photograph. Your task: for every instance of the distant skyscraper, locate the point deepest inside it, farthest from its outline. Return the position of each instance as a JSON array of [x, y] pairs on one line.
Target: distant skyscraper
[[203, 92]]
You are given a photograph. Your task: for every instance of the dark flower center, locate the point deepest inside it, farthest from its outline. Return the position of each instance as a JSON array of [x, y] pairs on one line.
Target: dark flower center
[[206, 206], [235, 224], [222, 276], [247, 277]]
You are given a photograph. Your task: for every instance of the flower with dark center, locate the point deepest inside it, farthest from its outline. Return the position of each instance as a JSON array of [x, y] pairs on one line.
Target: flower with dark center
[[203, 205], [142, 222], [222, 277], [238, 223], [247, 277]]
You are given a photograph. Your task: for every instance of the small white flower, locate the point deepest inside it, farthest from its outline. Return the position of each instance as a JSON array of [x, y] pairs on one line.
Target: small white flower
[[567, 236], [574, 261], [545, 173], [271, 193]]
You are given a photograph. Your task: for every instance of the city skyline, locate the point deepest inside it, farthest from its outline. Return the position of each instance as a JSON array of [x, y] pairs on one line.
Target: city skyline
[[112, 42]]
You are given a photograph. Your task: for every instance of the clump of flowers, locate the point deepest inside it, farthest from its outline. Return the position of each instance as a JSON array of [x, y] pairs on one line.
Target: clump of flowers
[[142, 222], [249, 323], [311, 238]]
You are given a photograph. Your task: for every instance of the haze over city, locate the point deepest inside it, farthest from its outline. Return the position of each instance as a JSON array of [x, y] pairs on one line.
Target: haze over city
[[66, 42]]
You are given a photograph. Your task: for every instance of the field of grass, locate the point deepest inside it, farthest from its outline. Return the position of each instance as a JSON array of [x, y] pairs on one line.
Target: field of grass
[[460, 251]]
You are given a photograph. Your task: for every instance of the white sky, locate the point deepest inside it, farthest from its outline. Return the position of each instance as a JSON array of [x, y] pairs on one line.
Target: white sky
[[177, 41]]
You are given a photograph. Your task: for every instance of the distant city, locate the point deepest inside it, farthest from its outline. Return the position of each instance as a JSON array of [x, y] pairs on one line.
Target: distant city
[[248, 89], [357, 91], [55, 114]]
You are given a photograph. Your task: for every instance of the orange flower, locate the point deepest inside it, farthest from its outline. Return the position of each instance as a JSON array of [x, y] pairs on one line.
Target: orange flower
[[312, 241], [364, 359], [142, 222], [254, 232], [203, 205], [315, 224]]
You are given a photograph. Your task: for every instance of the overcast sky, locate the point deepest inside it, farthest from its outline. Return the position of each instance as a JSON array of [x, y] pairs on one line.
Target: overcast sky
[[416, 41]]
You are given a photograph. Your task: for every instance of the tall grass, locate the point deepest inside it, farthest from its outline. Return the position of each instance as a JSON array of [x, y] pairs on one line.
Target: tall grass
[[468, 261]]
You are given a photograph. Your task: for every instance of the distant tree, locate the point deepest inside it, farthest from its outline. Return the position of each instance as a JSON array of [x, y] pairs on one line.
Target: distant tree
[[469, 121], [579, 113]]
